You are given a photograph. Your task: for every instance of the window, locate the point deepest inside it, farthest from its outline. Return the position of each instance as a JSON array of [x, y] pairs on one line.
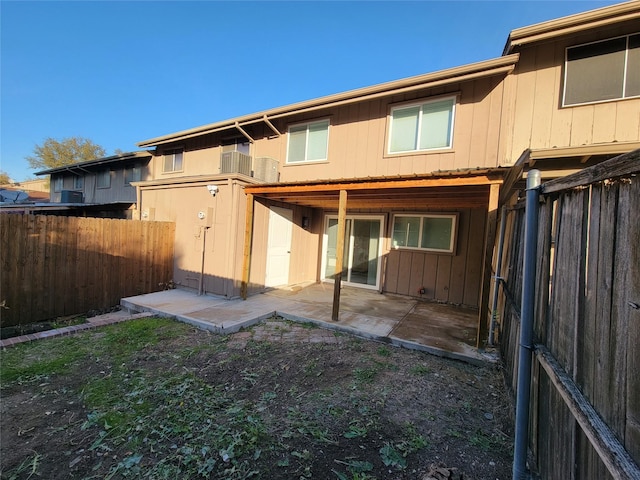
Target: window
[[601, 71], [426, 232], [132, 174], [173, 161], [103, 179], [308, 142], [420, 127], [58, 184], [78, 182]]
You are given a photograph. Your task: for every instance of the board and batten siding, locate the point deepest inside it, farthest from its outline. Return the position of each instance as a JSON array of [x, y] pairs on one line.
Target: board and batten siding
[[454, 279], [536, 118], [358, 132]]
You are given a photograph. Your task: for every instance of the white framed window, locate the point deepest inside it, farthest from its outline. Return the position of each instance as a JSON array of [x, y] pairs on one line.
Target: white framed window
[[103, 178], [433, 232], [132, 174], [173, 160], [78, 182], [58, 184], [422, 126], [602, 71], [308, 142]]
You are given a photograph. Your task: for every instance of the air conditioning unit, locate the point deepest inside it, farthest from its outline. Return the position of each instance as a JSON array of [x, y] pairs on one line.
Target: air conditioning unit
[[266, 169], [235, 162], [70, 196]]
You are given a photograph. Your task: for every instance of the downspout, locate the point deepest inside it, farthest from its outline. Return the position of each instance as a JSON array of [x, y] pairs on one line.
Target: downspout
[[204, 247], [496, 287], [526, 327]]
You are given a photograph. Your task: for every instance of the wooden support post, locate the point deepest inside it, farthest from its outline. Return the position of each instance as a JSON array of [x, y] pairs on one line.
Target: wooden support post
[[246, 254], [490, 240], [342, 220]]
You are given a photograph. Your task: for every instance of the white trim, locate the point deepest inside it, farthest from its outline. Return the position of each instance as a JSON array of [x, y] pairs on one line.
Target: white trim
[[349, 250], [624, 77], [452, 241], [306, 142], [420, 104]]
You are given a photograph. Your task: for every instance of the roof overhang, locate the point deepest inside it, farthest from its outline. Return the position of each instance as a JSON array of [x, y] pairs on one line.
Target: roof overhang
[[82, 167], [497, 66], [559, 162], [572, 24], [451, 189]]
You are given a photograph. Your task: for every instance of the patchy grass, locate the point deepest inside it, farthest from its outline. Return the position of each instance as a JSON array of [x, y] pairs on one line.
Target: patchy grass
[[153, 399]]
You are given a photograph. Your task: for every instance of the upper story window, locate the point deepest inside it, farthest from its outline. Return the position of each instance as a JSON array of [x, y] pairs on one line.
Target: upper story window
[[132, 174], [103, 178], [422, 126], [78, 182], [601, 71], [433, 232], [173, 160], [58, 184], [308, 142]]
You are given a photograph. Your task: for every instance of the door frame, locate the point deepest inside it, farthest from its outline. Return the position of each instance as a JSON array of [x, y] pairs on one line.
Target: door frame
[[288, 217], [348, 249]]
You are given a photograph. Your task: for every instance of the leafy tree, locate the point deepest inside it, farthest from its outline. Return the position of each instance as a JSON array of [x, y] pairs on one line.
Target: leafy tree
[[4, 177], [57, 153]]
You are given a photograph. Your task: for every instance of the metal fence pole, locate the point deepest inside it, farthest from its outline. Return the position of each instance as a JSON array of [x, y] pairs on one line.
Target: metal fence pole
[[526, 327]]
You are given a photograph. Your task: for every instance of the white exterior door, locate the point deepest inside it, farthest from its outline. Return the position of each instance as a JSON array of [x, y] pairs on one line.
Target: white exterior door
[[278, 246]]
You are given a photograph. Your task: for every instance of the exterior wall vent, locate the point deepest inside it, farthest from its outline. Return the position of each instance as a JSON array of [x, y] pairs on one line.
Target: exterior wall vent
[[235, 162], [266, 169], [70, 196]]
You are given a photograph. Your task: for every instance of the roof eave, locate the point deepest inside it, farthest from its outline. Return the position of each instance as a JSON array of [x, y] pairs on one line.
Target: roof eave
[[500, 65], [98, 161], [572, 24]]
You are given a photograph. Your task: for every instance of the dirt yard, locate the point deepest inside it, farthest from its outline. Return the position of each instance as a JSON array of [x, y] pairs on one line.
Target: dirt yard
[[152, 398]]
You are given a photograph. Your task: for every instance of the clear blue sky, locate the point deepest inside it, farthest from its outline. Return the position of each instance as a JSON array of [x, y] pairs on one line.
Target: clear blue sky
[[120, 72]]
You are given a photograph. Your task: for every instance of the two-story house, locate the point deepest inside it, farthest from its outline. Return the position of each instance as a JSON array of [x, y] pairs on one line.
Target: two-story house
[[398, 183], [100, 187]]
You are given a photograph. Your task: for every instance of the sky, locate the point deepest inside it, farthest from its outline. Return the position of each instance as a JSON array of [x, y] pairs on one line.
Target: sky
[[120, 72]]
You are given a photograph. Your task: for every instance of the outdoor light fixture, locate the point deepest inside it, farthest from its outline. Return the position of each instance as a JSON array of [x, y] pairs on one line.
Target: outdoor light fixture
[[213, 189], [305, 223]]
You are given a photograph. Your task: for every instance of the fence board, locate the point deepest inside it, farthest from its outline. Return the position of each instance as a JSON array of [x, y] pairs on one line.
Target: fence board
[[631, 242], [56, 266], [590, 322]]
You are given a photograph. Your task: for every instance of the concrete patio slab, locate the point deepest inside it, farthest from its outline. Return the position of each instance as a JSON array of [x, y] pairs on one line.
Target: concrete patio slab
[[442, 330]]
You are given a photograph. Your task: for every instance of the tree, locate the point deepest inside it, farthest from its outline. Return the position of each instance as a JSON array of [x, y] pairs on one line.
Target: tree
[[4, 178], [53, 153]]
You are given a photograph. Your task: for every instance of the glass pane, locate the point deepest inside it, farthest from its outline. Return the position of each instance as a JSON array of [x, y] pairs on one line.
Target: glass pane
[[404, 129], [177, 161], [318, 135], [595, 72], [406, 231], [297, 142], [435, 131], [168, 163], [633, 67], [332, 236], [366, 237], [436, 233]]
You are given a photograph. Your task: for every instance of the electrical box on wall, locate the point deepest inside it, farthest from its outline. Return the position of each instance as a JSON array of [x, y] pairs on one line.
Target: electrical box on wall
[[206, 217]]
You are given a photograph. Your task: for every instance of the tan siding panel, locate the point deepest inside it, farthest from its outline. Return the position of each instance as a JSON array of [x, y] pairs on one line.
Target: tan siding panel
[[582, 125], [459, 260], [545, 95], [604, 122], [443, 278], [473, 272], [628, 121]]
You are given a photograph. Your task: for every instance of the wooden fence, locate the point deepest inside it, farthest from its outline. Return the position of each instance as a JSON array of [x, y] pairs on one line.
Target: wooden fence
[[585, 394], [56, 266]]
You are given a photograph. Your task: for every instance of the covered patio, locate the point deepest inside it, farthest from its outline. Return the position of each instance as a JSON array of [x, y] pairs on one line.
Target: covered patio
[[437, 191], [438, 329]]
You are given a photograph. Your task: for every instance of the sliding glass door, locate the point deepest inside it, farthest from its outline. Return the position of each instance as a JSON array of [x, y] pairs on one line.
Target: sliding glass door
[[362, 250]]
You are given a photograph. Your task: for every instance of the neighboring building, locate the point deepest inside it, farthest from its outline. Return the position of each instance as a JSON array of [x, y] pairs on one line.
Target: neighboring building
[[415, 167], [101, 187]]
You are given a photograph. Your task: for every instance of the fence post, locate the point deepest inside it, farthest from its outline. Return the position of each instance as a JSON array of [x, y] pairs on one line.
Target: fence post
[[497, 278], [526, 327]]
